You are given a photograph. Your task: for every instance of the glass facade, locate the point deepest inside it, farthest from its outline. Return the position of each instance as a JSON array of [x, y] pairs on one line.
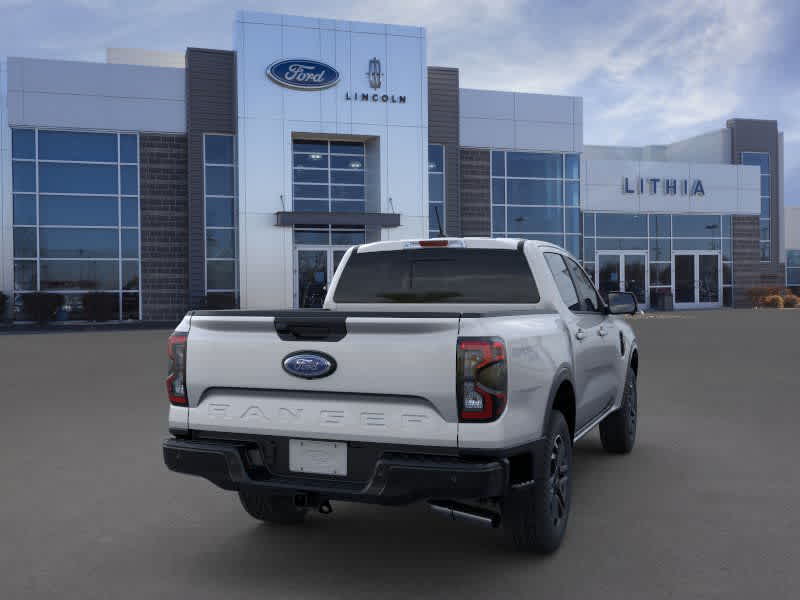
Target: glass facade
[[536, 195], [328, 176], [221, 222], [658, 236], [76, 219], [761, 160], [793, 268], [436, 190]]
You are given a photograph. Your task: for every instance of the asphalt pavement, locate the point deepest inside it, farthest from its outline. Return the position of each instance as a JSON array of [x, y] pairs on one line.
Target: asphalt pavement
[[706, 506]]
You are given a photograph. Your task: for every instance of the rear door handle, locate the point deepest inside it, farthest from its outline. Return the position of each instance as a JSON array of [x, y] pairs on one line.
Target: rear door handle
[[580, 333], [602, 331]]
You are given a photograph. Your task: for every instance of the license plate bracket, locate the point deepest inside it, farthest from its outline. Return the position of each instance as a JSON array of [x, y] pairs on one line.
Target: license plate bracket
[[318, 457]]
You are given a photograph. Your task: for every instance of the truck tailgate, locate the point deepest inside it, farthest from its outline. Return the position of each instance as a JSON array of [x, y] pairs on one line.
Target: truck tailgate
[[394, 380]]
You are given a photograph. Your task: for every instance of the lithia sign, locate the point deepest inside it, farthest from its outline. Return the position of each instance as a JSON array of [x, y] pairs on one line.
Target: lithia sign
[[306, 74], [667, 186]]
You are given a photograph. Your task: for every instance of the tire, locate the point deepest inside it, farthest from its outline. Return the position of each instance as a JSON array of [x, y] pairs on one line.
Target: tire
[[618, 430], [536, 517], [271, 509]]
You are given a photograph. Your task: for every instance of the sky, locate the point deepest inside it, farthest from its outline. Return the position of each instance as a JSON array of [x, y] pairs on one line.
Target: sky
[[649, 72]]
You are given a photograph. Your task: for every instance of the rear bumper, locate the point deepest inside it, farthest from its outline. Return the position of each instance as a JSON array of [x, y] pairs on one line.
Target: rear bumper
[[396, 478]]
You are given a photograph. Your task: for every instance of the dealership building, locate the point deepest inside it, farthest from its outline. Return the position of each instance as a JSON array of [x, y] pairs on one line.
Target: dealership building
[[238, 178]]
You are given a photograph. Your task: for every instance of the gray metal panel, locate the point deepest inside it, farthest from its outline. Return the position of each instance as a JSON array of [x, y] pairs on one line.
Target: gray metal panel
[[337, 218], [210, 108], [755, 135], [443, 128]]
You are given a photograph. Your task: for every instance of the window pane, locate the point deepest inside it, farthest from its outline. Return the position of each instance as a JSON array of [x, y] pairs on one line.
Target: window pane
[[433, 222], [311, 237], [348, 192], [23, 144], [220, 243], [311, 175], [588, 249], [24, 209], [573, 166], [130, 212], [74, 145], [572, 243], [727, 273], [435, 158], [345, 162], [25, 275], [219, 149], [128, 149], [348, 206], [498, 191], [529, 164], [793, 258], [219, 181], [621, 243], [759, 159], [79, 275], [25, 242], [660, 249], [623, 225], [522, 191], [587, 294], [765, 251], [765, 185], [219, 212], [77, 210], [572, 220], [347, 238], [130, 274], [589, 268], [318, 161], [727, 296], [765, 208], [498, 218], [23, 176], [130, 243], [572, 190], [727, 249], [221, 274], [354, 177], [527, 219], [660, 226], [78, 243], [310, 191], [347, 148], [310, 146], [563, 280], [695, 244], [436, 187], [130, 307], [727, 226], [498, 163], [763, 229], [660, 274], [793, 277], [311, 205], [588, 224], [77, 179], [129, 180]]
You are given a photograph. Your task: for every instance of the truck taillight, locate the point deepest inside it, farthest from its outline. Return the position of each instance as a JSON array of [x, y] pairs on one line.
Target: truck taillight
[[481, 379], [176, 375]]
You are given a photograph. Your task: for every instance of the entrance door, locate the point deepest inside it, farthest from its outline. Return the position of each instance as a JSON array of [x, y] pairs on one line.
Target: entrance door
[[623, 272], [697, 279], [314, 268]]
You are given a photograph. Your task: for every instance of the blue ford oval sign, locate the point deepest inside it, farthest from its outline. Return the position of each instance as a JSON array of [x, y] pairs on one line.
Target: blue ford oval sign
[[309, 365], [303, 74]]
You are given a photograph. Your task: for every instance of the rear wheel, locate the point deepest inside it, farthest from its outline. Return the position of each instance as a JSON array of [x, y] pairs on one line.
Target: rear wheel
[[536, 517], [618, 430], [270, 508]]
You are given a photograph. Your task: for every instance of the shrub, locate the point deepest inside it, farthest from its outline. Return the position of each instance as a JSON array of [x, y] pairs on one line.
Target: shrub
[[773, 301], [41, 306], [99, 306], [790, 301]]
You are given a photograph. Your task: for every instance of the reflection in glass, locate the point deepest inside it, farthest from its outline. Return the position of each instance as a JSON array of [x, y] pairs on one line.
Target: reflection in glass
[[57, 242], [80, 275], [77, 210]]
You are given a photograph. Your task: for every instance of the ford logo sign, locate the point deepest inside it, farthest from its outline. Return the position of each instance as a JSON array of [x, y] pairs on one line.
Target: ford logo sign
[[303, 74], [309, 365]]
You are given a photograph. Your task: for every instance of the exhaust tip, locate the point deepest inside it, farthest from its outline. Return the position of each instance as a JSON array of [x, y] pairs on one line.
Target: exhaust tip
[[457, 511]]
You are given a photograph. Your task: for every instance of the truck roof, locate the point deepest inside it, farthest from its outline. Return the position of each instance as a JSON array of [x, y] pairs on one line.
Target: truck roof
[[465, 242]]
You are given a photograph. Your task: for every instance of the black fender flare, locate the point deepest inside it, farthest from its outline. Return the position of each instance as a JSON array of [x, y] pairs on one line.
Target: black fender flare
[[563, 373]]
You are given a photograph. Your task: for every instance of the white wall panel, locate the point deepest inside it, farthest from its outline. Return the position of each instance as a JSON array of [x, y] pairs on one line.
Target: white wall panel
[[540, 135], [486, 133], [541, 107], [363, 47], [486, 104]]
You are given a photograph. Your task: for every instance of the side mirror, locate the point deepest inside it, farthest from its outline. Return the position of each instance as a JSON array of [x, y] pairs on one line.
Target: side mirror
[[622, 303]]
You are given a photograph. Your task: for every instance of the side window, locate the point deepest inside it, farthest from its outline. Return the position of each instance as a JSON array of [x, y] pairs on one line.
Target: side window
[[563, 280], [587, 294]]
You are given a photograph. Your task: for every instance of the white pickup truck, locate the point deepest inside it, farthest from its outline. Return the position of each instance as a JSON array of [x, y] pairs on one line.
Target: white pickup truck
[[457, 371]]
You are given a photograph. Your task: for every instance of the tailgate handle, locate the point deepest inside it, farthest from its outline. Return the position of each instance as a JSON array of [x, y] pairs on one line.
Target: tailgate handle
[[311, 329]]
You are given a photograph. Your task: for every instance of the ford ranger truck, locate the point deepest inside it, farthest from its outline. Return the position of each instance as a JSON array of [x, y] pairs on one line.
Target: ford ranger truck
[[458, 372]]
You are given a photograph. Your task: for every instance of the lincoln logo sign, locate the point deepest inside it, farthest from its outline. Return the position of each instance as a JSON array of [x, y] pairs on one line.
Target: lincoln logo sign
[[667, 186], [309, 365], [302, 74]]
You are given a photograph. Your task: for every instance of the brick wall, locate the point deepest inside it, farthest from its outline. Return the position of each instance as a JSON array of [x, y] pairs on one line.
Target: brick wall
[[165, 226], [476, 218]]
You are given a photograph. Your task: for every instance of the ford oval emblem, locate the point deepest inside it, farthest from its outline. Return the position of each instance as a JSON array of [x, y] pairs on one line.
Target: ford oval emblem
[[303, 74], [309, 364]]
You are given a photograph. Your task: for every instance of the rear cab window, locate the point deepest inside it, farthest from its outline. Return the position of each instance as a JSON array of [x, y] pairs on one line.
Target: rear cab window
[[438, 275]]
